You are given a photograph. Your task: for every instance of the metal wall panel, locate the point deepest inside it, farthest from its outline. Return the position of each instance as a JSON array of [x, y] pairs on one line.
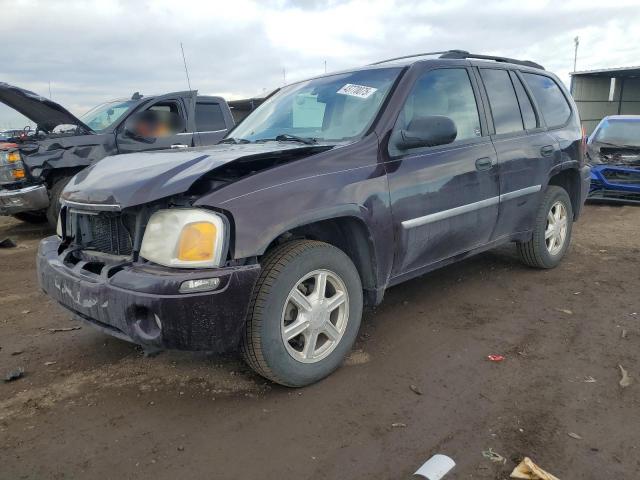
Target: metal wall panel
[[591, 94]]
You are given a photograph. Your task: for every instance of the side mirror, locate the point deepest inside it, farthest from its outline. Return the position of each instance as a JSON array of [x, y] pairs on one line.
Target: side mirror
[[426, 132]]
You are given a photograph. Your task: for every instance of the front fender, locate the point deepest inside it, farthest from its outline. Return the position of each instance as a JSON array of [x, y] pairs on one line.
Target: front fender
[[68, 152], [262, 216], [308, 217]]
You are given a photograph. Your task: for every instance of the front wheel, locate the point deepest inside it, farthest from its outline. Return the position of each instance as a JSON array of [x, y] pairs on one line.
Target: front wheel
[[551, 232], [304, 315], [54, 200]]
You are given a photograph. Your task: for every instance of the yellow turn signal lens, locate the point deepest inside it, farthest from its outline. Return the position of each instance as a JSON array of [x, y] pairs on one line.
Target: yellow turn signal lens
[[13, 157], [197, 242], [18, 173]]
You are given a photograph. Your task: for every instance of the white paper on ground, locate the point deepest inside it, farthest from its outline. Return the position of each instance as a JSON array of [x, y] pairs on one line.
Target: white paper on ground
[[436, 467]]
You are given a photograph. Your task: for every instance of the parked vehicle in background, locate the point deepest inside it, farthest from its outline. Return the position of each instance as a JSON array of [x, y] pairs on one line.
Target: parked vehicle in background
[[241, 108], [613, 151], [9, 135], [36, 165], [331, 191]]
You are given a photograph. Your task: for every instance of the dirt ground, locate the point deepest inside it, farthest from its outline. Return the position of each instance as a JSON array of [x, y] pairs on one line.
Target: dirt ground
[[103, 410]]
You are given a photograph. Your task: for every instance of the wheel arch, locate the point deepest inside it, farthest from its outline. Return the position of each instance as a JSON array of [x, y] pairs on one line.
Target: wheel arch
[[53, 175], [569, 179], [350, 234]]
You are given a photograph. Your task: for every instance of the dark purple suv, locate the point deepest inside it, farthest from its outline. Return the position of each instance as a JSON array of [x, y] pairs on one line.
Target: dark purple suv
[[333, 190]]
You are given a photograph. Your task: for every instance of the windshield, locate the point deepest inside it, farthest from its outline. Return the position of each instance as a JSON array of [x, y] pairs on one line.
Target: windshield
[[619, 131], [106, 114], [333, 108]]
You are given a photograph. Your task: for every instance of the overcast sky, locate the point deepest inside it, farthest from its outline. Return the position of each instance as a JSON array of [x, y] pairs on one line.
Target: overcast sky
[[93, 51]]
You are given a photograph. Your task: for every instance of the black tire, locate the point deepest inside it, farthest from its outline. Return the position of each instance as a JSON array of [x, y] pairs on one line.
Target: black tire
[[32, 217], [263, 346], [53, 210], [535, 252]]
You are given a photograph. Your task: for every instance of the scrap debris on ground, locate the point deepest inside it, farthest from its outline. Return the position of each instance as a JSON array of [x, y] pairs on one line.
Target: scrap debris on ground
[[14, 375], [64, 329], [625, 381], [7, 243], [527, 470]]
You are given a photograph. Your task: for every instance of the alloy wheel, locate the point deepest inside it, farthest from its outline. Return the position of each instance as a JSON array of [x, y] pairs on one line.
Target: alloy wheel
[[556, 232], [315, 316]]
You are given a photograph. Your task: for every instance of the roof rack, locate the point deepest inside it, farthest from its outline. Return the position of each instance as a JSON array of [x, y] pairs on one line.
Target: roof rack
[[414, 55], [462, 54]]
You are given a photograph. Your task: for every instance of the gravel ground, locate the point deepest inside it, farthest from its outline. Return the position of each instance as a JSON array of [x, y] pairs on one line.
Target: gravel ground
[[93, 407]]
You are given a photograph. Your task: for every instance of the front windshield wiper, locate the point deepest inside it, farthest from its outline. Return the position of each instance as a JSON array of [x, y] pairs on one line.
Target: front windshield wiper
[[287, 137], [234, 141]]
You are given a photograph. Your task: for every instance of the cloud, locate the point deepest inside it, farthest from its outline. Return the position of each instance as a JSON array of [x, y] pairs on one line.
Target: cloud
[[94, 51]]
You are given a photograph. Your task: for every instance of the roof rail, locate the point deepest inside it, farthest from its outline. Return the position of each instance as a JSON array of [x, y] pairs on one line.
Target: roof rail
[[415, 55], [463, 54]]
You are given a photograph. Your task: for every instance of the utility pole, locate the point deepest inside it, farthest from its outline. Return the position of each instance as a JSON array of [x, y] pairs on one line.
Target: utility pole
[[576, 41]]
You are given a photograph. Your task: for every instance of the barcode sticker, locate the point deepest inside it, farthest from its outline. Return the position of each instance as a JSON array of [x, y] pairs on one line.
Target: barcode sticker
[[360, 91]]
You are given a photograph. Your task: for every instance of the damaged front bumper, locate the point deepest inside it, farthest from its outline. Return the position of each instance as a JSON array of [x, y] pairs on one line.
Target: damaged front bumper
[[615, 183], [27, 199], [142, 303]]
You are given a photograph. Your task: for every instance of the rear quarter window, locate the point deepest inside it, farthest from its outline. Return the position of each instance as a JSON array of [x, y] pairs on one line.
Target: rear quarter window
[[503, 101], [551, 101]]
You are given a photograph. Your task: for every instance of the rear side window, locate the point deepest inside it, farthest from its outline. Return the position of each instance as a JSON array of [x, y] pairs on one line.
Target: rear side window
[[552, 103], [503, 101], [528, 115], [209, 117]]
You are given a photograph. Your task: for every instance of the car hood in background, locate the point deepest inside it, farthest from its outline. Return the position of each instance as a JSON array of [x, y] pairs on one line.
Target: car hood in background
[[605, 153], [128, 180], [46, 113]]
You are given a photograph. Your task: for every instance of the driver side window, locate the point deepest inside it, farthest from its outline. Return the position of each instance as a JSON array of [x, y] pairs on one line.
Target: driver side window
[[169, 112], [446, 92]]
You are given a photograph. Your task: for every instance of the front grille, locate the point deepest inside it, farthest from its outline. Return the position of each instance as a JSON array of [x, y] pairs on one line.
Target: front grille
[[621, 176], [104, 232]]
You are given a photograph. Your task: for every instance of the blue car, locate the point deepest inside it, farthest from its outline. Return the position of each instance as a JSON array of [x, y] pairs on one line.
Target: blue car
[[613, 151]]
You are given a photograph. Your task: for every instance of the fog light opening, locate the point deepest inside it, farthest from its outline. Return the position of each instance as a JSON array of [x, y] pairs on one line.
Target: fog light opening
[[200, 285], [147, 324]]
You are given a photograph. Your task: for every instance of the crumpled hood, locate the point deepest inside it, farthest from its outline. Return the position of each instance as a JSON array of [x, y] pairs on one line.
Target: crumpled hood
[[46, 113], [138, 178]]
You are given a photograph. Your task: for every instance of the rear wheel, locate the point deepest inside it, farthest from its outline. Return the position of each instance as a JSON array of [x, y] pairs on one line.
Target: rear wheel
[[304, 315], [32, 217], [54, 200], [552, 230]]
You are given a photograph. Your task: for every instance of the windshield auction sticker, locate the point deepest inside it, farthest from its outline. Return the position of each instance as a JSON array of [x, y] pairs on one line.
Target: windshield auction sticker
[[360, 91]]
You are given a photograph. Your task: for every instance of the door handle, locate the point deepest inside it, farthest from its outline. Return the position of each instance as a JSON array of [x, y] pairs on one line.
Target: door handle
[[484, 163], [179, 145], [547, 150]]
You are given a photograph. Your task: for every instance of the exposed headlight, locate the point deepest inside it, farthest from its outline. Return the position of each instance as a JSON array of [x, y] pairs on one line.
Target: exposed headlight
[[185, 238], [13, 157], [13, 166]]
